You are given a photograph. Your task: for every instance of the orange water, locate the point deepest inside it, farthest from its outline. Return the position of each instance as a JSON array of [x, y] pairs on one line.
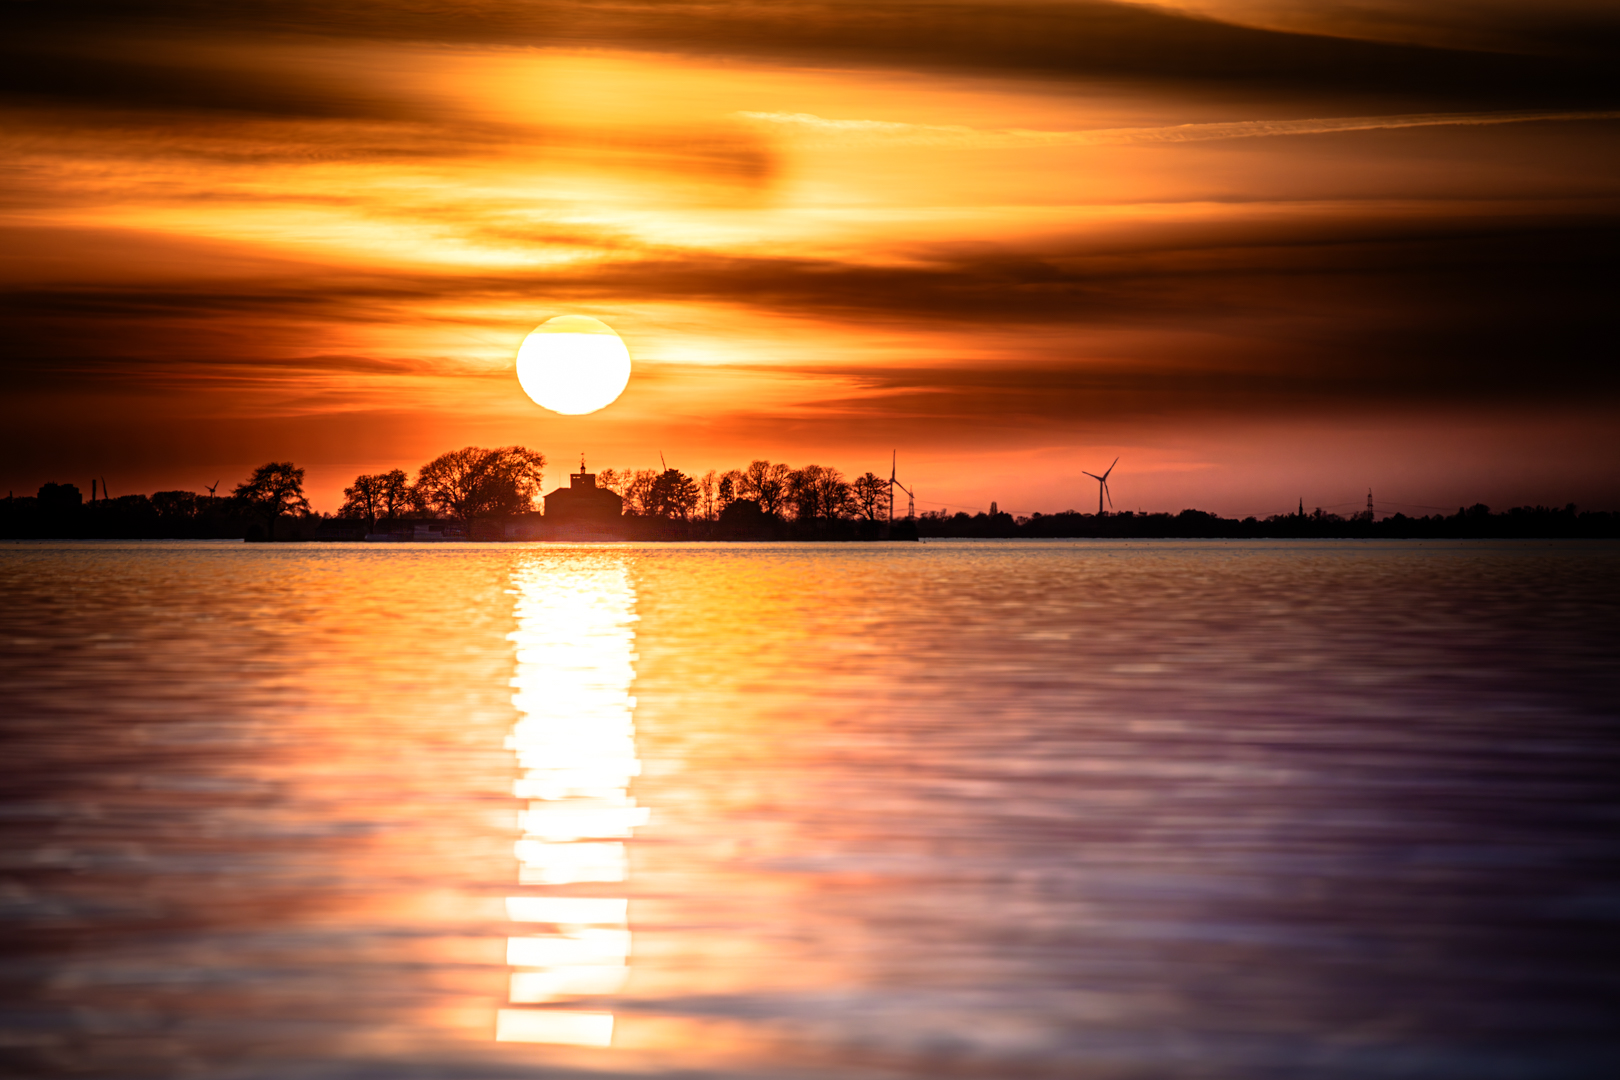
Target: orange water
[[979, 810]]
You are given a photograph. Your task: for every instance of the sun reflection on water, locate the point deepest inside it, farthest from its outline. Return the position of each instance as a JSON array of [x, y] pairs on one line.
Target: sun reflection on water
[[575, 744]]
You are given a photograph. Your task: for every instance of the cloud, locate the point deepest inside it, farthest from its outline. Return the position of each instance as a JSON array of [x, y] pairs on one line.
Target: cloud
[[1549, 27], [1083, 39], [221, 103], [91, 71], [1344, 308], [818, 130]]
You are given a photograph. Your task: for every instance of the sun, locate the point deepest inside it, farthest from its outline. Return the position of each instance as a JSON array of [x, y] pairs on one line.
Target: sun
[[573, 364]]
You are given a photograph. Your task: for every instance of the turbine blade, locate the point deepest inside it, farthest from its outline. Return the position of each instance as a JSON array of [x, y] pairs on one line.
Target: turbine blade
[[1093, 475], [1110, 495], [1110, 469]]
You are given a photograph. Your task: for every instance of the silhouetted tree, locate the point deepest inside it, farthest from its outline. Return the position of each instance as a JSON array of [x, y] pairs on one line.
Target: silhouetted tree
[[176, 505], [833, 498], [473, 482], [363, 500], [730, 488], [708, 505], [395, 497], [273, 490], [378, 495], [870, 493], [673, 494], [818, 492], [800, 497], [638, 491], [766, 484]]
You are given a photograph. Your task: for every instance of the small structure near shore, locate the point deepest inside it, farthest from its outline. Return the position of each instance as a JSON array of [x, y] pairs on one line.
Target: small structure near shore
[[582, 502], [580, 511]]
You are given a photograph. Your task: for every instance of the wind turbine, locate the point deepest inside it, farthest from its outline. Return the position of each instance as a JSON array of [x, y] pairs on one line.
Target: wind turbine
[[1102, 487], [911, 498], [211, 490]]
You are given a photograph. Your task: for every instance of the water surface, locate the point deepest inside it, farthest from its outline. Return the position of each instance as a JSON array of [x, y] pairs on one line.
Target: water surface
[[990, 810]]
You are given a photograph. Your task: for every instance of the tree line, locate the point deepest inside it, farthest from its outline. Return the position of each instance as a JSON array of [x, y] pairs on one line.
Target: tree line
[[765, 500], [778, 491], [473, 484], [1477, 522], [466, 487]]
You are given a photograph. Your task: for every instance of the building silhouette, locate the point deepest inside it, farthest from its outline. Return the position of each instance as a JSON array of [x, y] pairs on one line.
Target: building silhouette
[[582, 502], [580, 511]]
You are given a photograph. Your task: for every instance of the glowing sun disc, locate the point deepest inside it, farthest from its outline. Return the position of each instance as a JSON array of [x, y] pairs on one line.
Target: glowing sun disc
[[573, 364]]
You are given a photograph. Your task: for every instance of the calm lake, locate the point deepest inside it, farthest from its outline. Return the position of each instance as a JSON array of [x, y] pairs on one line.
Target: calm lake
[[979, 810]]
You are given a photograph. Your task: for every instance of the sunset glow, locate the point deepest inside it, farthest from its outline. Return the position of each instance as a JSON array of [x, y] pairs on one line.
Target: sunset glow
[[823, 539], [1263, 251]]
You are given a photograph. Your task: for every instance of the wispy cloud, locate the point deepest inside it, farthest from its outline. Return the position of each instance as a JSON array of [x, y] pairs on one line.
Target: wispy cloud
[[883, 132]]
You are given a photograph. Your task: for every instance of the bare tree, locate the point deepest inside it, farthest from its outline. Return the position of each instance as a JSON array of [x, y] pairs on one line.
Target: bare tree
[[801, 495], [395, 496], [273, 490], [833, 498], [363, 499], [870, 492], [707, 506], [818, 491], [767, 484], [473, 483], [730, 488], [638, 491], [377, 495]]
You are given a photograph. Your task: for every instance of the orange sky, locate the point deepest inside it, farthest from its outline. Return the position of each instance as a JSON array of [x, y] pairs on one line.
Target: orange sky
[[1306, 251]]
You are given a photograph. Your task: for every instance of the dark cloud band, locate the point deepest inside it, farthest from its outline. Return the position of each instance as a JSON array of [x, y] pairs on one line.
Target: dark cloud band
[[1081, 39], [1365, 308]]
